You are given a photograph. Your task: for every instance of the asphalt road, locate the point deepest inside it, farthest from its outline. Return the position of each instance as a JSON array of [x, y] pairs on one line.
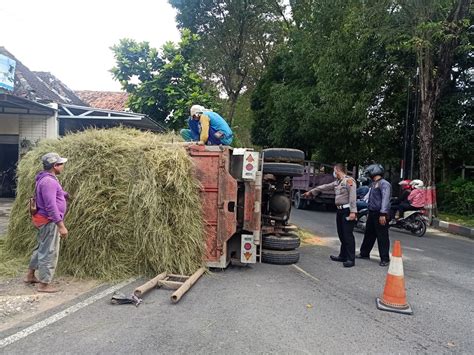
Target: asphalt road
[[281, 309]]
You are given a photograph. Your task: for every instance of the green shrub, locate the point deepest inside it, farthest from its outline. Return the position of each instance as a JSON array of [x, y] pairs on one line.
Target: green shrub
[[457, 197]]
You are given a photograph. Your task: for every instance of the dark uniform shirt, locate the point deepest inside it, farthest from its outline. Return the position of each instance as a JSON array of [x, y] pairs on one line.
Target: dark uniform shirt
[[379, 196]]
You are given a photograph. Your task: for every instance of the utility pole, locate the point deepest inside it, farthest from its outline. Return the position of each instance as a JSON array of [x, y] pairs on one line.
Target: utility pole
[[403, 172], [415, 121]]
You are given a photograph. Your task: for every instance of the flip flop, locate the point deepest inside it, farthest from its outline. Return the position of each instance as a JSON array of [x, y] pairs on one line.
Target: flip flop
[[35, 281], [47, 290]]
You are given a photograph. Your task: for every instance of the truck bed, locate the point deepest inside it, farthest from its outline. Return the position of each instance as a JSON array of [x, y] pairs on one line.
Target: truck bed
[[313, 177]]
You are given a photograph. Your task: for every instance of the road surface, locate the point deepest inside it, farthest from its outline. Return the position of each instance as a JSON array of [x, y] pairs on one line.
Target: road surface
[[316, 306]]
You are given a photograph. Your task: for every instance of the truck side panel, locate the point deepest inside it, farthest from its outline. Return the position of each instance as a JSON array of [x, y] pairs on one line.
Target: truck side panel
[[218, 198]]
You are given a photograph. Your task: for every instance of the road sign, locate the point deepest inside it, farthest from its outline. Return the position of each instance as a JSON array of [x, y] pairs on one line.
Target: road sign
[[248, 253], [250, 165]]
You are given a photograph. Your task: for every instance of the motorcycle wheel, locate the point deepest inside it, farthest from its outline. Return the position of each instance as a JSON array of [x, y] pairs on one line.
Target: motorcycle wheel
[[418, 227]]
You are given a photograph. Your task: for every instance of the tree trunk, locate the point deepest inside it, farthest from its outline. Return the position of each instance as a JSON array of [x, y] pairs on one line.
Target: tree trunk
[[432, 80], [233, 105], [427, 164]]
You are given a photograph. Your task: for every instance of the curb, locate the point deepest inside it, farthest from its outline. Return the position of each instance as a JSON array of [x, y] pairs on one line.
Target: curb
[[453, 228]]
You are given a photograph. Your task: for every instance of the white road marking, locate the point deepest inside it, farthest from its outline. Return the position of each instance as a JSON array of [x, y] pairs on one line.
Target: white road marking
[[305, 273], [55, 317], [414, 249]]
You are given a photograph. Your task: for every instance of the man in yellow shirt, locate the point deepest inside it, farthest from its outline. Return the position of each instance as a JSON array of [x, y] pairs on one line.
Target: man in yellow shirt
[[207, 127]]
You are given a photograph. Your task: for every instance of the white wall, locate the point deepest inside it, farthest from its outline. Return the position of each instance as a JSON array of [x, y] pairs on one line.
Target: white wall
[[52, 129], [33, 128]]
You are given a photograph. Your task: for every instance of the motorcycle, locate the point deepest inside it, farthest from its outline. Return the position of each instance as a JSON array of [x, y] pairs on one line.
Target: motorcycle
[[413, 221]]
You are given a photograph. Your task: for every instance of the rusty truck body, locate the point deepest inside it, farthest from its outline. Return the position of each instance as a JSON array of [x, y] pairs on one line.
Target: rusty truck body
[[246, 203]]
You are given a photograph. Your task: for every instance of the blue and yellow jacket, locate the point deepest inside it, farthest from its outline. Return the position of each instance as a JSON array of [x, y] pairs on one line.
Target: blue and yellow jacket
[[213, 120]]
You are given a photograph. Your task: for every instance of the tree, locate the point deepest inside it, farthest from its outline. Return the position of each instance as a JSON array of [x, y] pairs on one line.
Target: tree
[[334, 89], [341, 80], [454, 126], [236, 40], [162, 84], [438, 32]]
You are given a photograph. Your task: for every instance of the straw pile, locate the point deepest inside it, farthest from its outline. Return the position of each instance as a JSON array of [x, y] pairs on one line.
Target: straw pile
[[135, 207]]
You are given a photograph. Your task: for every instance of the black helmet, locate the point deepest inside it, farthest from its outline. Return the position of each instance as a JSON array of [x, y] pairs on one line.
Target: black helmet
[[374, 170]]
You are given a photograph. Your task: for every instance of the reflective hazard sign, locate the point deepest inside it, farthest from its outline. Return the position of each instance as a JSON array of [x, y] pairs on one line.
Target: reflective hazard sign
[[250, 166], [248, 249]]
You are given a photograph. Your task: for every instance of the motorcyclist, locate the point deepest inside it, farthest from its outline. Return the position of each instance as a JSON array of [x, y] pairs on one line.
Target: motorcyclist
[[362, 192], [406, 188], [415, 200]]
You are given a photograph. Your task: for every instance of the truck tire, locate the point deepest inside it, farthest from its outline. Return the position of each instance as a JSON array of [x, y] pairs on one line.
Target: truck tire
[[286, 169], [299, 202], [283, 155], [287, 241], [280, 257]]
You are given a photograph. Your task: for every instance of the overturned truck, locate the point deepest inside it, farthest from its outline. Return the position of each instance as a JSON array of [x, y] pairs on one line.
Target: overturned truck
[[246, 200]]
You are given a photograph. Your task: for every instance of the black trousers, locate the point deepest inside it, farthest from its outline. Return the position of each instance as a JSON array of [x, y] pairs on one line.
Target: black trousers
[[405, 206], [345, 230], [374, 230]]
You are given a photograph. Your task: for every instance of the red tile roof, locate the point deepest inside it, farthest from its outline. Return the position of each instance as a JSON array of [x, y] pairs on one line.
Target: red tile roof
[[110, 100]]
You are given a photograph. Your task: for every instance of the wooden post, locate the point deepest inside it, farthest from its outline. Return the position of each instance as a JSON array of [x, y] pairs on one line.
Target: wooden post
[[140, 291], [176, 296]]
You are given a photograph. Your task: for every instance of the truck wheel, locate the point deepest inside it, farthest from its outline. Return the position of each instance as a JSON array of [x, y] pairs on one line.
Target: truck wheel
[[299, 202], [283, 155], [287, 241], [286, 169], [280, 257]]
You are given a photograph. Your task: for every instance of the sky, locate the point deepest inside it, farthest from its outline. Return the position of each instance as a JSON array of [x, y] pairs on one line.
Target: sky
[[72, 39]]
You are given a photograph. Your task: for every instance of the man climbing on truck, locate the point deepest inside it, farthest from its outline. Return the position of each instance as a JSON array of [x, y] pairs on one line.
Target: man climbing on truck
[[207, 127]]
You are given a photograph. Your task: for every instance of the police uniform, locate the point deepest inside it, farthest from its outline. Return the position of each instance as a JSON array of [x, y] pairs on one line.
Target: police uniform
[[345, 200], [378, 205]]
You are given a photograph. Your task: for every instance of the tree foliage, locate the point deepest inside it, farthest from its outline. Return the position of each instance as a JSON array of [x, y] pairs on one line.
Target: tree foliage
[[333, 91], [339, 87], [162, 84], [236, 39], [436, 30]]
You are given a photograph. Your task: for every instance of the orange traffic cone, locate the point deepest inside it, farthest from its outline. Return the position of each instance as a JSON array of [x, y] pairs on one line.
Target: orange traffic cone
[[394, 298]]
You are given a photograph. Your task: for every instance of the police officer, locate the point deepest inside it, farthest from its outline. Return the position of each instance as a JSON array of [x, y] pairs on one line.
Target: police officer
[[377, 220], [345, 188]]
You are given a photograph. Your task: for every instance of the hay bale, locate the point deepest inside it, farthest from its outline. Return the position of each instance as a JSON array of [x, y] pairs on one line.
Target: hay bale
[[135, 206]]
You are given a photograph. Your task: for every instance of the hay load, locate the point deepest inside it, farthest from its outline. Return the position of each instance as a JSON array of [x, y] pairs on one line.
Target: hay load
[[135, 207]]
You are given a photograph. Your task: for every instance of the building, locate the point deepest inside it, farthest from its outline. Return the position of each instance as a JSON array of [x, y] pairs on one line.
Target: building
[[37, 105]]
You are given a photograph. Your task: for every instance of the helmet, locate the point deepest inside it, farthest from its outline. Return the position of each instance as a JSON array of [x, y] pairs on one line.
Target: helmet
[[405, 184], [195, 109], [374, 170], [364, 181], [417, 184]]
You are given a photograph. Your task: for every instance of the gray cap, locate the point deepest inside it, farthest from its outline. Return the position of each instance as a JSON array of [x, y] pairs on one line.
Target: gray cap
[[52, 158]]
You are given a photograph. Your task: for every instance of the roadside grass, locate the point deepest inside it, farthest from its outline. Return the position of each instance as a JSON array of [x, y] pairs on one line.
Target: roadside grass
[[458, 219], [10, 266]]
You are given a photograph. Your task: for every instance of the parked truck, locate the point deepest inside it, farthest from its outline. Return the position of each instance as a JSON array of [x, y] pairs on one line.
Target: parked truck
[[246, 200], [314, 174]]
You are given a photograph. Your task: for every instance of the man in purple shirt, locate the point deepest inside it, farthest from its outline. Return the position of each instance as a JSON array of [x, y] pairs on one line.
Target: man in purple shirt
[[49, 219]]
